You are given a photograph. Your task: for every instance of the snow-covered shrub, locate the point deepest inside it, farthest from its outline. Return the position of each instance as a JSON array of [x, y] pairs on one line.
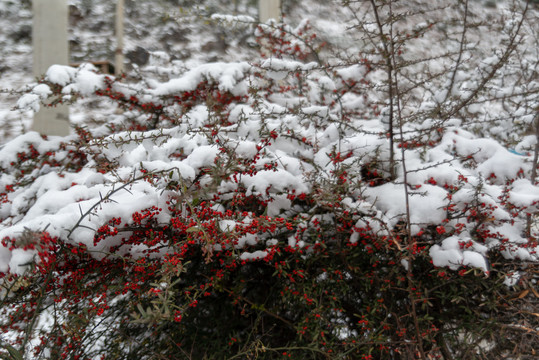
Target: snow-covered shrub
[[262, 210]]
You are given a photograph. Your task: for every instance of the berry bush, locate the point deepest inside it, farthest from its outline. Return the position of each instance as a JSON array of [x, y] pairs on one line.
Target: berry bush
[[263, 211]]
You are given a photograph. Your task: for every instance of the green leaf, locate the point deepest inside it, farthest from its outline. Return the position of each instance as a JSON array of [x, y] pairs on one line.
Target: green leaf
[[141, 309], [193, 229], [14, 353]]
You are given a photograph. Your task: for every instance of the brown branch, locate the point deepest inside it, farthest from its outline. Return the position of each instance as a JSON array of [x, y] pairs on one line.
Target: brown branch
[[389, 69], [494, 69], [461, 51], [411, 241]]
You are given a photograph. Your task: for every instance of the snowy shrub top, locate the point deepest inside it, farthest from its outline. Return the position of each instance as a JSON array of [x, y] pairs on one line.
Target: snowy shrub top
[[229, 132]]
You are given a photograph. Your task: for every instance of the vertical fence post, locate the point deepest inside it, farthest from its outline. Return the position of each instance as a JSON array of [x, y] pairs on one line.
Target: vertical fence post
[[50, 46], [269, 9], [119, 28]]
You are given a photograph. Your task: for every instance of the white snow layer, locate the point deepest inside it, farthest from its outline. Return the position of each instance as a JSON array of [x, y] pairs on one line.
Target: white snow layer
[[70, 205]]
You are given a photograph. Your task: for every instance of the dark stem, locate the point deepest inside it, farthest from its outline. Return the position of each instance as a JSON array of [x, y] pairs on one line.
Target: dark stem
[[389, 66]]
